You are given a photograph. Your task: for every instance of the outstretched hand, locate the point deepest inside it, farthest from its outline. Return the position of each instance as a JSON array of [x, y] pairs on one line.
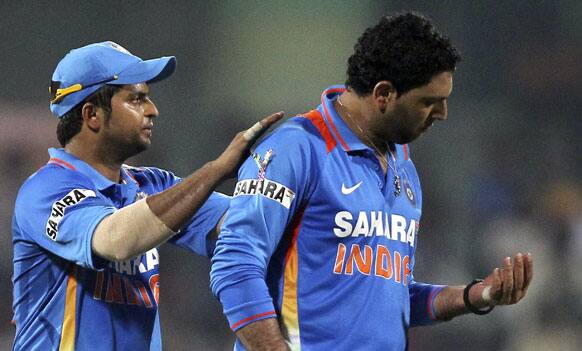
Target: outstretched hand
[[238, 149], [506, 285]]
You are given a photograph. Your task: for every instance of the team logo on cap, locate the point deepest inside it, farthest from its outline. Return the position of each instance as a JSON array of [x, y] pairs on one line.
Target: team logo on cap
[[262, 164], [119, 47]]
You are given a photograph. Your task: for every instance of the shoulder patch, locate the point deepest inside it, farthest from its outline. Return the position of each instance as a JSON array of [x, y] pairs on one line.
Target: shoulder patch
[[262, 164], [58, 209], [267, 188]]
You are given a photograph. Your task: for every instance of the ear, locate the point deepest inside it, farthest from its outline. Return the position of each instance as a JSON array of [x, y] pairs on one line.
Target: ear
[[92, 116], [384, 94]]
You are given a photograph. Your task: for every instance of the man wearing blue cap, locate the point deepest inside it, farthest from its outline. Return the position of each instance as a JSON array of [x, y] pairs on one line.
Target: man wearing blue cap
[[86, 226]]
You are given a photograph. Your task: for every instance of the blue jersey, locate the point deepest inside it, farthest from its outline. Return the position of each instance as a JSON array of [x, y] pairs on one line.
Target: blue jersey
[[67, 298], [320, 237]]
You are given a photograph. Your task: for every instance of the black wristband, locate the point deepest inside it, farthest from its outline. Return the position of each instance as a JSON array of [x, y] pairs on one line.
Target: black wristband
[[468, 303]]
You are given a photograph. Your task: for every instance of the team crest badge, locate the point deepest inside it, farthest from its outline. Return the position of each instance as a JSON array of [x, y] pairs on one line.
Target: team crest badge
[[262, 164], [409, 193]]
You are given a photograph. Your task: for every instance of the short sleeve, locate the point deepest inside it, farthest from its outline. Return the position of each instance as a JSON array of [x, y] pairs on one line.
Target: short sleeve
[[193, 236], [59, 210]]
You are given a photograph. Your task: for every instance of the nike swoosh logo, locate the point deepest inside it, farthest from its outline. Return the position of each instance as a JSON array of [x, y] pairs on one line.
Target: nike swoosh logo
[[347, 191]]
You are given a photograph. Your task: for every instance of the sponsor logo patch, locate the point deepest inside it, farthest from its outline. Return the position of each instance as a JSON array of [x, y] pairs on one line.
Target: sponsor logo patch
[[59, 207], [267, 188]]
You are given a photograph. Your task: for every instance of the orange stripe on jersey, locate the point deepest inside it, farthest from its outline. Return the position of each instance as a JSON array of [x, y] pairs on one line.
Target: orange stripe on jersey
[[405, 148], [289, 310], [69, 320], [317, 119], [330, 120], [61, 162]]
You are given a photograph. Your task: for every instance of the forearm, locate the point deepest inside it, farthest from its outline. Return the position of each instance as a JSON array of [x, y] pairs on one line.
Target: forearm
[[176, 205], [262, 335], [129, 232], [137, 228]]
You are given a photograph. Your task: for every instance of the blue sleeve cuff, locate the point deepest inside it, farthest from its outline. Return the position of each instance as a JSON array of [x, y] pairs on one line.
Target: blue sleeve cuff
[[422, 297], [246, 302]]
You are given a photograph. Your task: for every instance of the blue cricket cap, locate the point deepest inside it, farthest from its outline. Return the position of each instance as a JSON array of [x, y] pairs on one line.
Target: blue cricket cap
[[84, 70]]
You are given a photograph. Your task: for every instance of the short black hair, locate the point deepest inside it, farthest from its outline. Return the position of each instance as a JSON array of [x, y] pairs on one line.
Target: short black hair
[[404, 49], [72, 122]]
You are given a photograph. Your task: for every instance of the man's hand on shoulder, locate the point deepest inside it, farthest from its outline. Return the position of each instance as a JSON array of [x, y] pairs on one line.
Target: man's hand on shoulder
[[229, 162]]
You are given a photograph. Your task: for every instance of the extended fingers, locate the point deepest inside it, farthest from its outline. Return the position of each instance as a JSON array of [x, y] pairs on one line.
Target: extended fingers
[[509, 284], [507, 276], [492, 292], [518, 278], [272, 119], [260, 127], [528, 271]]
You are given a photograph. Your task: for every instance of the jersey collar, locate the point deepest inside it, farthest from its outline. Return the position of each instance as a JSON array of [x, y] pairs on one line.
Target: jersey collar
[[65, 159], [339, 129]]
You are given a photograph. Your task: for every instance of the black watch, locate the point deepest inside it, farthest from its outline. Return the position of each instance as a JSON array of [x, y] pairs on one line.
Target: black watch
[[468, 303]]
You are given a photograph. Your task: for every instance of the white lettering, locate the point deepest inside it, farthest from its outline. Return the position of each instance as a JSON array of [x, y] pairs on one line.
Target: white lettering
[[398, 227], [375, 223], [411, 233], [152, 259], [125, 267], [361, 225], [267, 188], [58, 209], [142, 268], [137, 265], [342, 221]]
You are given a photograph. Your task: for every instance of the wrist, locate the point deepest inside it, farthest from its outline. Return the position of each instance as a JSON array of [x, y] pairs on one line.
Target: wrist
[[476, 295], [475, 298]]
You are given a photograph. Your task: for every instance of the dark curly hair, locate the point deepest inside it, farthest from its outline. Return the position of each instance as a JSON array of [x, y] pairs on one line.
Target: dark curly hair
[[71, 122], [404, 49]]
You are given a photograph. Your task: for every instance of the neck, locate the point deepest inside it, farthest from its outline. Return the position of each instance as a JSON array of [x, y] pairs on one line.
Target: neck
[[354, 110], [91, 153]]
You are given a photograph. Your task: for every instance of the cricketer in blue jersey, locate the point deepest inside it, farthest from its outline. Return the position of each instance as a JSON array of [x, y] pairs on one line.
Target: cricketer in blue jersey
[[317, 248], [86, 227]]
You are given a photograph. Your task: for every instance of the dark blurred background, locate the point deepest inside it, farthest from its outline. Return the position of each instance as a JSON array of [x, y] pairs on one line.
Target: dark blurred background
[[502, 174]]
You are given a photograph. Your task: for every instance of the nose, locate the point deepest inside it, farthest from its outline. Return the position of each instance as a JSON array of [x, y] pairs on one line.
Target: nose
[[440, 111], [151, 110]]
